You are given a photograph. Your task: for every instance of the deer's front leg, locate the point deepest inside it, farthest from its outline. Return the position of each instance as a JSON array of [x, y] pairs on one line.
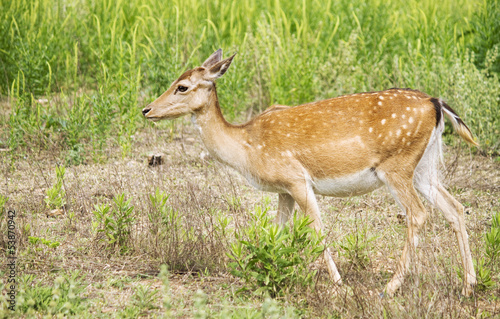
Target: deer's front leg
[[305, 197], [285, 208]]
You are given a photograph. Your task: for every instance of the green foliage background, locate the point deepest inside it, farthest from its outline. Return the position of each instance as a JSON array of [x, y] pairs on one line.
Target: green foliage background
[[99, 62]]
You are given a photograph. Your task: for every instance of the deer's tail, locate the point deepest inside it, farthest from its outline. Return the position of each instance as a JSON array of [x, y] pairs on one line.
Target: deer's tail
[[458, 124]]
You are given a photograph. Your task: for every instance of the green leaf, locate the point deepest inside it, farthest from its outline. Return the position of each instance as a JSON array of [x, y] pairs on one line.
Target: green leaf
[[273, 259]]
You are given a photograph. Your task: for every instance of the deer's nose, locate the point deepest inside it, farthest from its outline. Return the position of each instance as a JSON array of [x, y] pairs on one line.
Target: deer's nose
[[145, 110]]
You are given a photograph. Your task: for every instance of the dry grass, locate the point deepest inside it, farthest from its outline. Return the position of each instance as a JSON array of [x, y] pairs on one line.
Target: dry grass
[[202, 192]]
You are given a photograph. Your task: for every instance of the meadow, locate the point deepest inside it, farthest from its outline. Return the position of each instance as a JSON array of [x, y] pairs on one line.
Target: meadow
[[100, 233]]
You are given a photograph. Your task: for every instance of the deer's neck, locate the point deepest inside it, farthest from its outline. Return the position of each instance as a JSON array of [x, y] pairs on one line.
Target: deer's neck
[[223, 140]]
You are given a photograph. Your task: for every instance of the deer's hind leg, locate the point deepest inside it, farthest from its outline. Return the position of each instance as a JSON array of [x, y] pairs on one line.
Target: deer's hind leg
[[427, 183], [400, 184], [453, 212]]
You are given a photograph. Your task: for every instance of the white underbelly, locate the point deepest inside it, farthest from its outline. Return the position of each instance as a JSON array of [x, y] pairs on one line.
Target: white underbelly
[[263, 186], [356, 184]]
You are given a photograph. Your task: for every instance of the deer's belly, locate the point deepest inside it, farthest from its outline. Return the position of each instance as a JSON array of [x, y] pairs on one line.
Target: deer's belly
[[264, 186], [356, 184]]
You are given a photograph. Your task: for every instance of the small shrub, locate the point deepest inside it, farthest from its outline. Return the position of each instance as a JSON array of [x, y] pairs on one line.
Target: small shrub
[[47, 242], [490, 265], [56, 196], [3, 221], [144, 297], [492, 241], [487, 268], [160, 212], [63, 297], [272, 259], [355, 248], [116, 222], [3, 201], [200, 305], [483, 275], [165, 290]]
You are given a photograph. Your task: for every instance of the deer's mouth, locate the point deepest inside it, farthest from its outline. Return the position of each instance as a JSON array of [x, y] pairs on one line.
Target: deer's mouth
[[154, 119], [156, 113], [148, 114]]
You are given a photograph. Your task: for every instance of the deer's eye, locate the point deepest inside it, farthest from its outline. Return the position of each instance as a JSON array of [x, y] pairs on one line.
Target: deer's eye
[[181, 88]]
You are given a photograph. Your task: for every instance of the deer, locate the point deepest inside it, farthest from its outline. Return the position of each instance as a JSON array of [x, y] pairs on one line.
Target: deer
[[343, 146]]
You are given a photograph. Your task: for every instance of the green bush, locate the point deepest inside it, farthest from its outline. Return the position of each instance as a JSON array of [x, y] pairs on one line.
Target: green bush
[[40, 240], [492, 240], [488, 267], [63, 297], [161, 213], [485, 29], [491, 263], [3, 201], [272, 259], [115, 222], [355, 247], [484, 275], [56, 196]]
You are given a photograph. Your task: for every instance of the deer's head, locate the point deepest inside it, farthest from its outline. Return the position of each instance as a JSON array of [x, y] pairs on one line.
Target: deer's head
[[190, 92]]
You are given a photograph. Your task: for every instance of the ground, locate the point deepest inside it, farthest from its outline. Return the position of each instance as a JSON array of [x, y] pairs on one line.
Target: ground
[[202, 192]]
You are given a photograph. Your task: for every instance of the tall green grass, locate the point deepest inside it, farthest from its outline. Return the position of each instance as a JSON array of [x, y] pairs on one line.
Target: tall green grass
[[98, 62]]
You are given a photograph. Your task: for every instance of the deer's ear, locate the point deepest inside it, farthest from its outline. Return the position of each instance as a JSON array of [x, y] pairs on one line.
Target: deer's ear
[[218, 69], [214, 58]]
